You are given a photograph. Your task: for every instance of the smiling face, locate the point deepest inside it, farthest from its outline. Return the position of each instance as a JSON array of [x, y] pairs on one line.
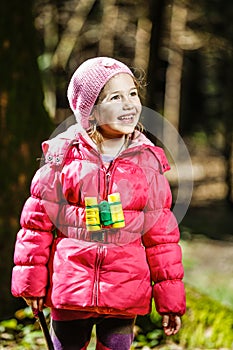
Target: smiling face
[[119, 107]]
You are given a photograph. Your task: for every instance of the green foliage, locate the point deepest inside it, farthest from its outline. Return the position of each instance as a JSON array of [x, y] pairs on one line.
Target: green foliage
[[200, 138], [22, 332], [207, 324], [149, 332]]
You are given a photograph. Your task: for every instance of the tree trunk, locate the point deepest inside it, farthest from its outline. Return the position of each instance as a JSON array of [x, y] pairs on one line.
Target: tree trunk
[[229, 164], [174, 75], [24, 124], [157, 66]]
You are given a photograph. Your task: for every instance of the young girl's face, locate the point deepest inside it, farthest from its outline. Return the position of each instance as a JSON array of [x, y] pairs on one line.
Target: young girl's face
[[119, 107]]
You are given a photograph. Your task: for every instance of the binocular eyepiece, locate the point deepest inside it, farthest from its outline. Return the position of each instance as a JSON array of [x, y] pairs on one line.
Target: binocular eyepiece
[[105, 214]]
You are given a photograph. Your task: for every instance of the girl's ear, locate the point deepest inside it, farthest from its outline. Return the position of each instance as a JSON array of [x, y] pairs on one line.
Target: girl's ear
[[92, 120], [94, 114], [91, 117]]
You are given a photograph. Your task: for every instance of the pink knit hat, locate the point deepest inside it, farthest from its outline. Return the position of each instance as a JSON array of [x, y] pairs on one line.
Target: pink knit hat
[[87, 83]]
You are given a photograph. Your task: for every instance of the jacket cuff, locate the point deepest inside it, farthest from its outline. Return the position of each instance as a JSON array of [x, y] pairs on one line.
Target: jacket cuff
[[169, 297], [29, 281]]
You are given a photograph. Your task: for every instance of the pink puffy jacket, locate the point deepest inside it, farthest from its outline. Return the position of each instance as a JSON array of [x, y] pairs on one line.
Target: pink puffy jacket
[[55, 255]]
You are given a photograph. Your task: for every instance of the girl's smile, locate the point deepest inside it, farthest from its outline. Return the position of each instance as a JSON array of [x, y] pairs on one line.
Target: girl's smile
[[127, 118]]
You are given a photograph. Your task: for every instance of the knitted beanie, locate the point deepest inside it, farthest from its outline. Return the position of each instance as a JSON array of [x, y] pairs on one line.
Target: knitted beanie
[[88, 81]]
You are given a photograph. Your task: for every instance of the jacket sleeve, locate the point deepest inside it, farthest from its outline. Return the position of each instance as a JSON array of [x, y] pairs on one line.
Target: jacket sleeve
[[32, 247], [164, 256]]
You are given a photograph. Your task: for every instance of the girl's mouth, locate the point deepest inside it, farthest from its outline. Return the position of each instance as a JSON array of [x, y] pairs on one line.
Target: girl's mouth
[[126, 119]]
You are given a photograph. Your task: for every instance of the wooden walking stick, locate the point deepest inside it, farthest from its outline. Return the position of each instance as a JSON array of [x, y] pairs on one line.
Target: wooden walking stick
[[43, 325]]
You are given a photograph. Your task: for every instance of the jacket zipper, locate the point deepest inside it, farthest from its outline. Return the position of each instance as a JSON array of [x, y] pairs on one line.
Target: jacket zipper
[[108, 175], [107, 184], [99, 259]]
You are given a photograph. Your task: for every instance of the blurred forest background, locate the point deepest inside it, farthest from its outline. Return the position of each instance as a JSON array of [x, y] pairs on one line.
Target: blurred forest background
[[184, 50]]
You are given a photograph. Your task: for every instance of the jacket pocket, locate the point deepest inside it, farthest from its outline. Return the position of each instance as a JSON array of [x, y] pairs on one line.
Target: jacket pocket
[[73, 273]]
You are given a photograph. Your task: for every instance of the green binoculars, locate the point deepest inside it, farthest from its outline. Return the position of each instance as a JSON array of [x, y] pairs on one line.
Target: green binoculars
[[105, 213]]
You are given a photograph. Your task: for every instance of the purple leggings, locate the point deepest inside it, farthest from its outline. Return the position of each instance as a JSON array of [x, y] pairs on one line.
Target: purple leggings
[[111, 333]]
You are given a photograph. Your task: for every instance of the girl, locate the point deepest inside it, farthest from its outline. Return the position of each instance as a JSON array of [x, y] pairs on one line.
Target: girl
[[77, 251]]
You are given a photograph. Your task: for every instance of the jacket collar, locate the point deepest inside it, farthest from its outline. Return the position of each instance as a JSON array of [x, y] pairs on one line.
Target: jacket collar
[[56, 148]]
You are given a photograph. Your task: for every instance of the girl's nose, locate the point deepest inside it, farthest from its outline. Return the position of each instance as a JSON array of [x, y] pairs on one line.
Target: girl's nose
[[127, 103]]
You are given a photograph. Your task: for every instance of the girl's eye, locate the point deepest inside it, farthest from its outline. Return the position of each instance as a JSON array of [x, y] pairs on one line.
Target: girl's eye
[[134, 93], [115, 97]]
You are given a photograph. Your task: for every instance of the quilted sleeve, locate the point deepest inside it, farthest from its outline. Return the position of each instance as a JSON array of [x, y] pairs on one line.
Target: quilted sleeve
[[161, 237], [32, 247]]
